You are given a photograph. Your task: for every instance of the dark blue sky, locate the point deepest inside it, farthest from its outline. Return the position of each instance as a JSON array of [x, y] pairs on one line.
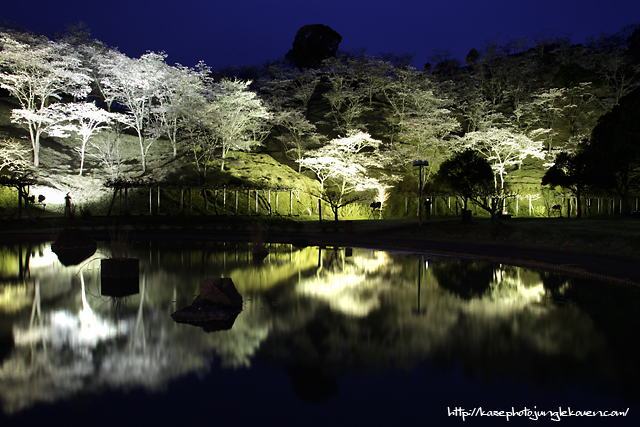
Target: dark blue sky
[[244, 32]]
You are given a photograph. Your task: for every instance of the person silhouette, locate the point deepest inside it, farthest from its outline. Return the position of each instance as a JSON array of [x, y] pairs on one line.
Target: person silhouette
[[67, 205]]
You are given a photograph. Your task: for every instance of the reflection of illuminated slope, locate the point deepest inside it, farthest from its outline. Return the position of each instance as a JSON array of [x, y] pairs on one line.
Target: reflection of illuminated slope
[[516, 302], [9, 262], [508, 293], [510, 321], [54, 358], [276, 269], [64, 330], [237, 346], [351, 287], [346, 292], [43, 265], [14, 298], [66, 353], [84, 351]]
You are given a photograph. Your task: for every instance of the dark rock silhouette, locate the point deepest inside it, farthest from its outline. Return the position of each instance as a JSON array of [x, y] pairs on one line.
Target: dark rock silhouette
[[215, 309], [73, 246], [313, 44]]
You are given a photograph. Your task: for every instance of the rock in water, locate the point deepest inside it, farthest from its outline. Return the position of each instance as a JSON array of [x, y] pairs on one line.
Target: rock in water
[[222, 292], [73, 246], [216, 308]]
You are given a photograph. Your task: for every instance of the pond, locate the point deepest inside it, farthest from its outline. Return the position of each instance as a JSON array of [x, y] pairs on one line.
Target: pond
[[327, 336]]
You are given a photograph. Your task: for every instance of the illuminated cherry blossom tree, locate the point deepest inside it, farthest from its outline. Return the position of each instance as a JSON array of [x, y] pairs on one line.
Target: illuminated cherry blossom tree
[[503, 148], [180, 89], [345, 98], [35, 73], [135, 84], [343, 163], [421, 121], [236, 117], [13, 155], [86, 120]]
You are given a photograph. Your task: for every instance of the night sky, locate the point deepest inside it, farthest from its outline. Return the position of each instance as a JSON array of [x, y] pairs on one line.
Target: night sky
[[248, 32]]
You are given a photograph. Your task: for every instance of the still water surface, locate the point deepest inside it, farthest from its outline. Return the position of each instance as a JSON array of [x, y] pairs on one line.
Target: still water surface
[[329, 336]]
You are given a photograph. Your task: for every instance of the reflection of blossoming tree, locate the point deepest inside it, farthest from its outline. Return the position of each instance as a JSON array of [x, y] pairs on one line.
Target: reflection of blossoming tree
[[354, 313]]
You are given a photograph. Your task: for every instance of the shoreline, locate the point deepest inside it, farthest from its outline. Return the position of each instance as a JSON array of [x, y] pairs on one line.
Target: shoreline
[[612, 269]]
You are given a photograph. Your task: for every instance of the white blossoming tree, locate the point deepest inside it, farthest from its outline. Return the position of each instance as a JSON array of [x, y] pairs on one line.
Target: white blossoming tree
[[86, 120], [342, 164], [36, 73], [421, 122], [236, 116], [503, 148], [13, 156], [134, 84], [181, 88]]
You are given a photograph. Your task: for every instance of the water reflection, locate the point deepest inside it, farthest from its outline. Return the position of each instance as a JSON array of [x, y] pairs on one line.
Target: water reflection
[[317, 313]]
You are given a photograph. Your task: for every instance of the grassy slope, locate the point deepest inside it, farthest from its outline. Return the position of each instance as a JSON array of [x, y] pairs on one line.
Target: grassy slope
[[270, 168], [60, 166]]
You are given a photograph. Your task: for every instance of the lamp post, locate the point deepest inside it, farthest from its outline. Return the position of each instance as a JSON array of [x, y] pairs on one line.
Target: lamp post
[[420, 164]]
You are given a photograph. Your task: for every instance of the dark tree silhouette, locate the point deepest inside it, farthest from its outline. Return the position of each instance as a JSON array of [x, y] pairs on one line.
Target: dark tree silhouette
[[466, 279], [613, 152], [633, 47], [570, 172], [467, 174], [472, 57], [313, 44], [572, 74]]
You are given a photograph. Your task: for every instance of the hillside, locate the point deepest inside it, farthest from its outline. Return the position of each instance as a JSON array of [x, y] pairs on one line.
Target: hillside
[[551, 94]]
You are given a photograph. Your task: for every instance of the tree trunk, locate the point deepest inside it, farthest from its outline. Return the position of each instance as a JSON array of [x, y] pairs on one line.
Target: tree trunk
[[206, 200], [19, 203], [36, 151], [113, 199], [142, 153], [82, 150]]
